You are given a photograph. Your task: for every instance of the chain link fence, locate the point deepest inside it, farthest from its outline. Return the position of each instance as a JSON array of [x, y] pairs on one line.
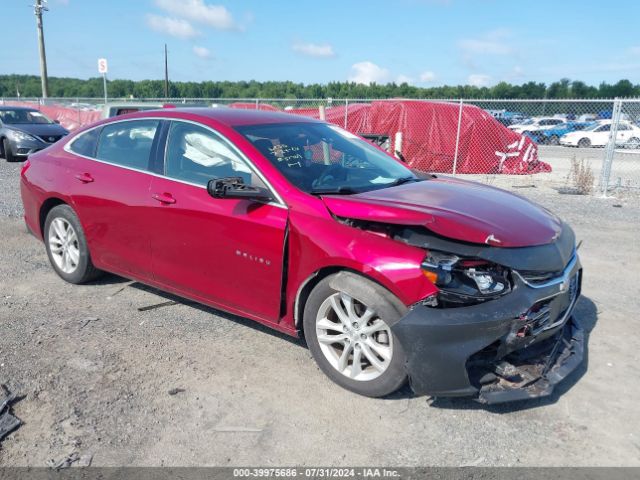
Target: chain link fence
[[577, 146]]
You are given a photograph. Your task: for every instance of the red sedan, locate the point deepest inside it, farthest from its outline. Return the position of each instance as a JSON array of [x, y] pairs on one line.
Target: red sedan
[[390, 274]]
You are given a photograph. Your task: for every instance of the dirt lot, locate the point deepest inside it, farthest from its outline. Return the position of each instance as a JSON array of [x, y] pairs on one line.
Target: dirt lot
[[96, 373]]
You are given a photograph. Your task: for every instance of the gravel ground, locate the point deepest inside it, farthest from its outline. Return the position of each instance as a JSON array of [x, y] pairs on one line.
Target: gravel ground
[[98, 376]]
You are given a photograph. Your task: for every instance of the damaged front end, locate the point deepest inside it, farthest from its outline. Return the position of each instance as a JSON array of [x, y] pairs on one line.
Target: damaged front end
[[500, 327]]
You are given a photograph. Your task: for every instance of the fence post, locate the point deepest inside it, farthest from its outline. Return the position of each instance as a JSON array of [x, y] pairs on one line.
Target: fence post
[[455, 153], [346, 112], [257, 104], [610, 149]]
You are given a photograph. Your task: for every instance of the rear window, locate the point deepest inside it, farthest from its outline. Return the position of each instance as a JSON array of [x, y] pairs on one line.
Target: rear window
[[85, 143], [127, 143]]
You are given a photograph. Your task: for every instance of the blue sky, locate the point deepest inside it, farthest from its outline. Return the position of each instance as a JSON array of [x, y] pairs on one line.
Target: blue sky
[[423, 42]]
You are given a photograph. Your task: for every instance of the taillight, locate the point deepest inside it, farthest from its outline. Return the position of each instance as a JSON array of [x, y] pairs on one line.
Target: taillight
[[25, 166]]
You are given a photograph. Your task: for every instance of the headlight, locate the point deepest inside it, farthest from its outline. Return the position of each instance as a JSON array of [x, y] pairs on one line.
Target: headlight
[[465, 280], [21, 136]]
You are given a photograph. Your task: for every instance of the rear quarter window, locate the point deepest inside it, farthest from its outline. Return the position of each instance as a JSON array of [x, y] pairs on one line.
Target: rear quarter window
[[85, 143]]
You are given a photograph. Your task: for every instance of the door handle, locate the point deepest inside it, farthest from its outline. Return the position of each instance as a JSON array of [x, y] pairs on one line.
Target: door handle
[[163, 198], [84, 177]]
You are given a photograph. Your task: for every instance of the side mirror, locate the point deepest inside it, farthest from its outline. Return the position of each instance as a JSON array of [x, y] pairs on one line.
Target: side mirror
[[234, 187], [57, 121]]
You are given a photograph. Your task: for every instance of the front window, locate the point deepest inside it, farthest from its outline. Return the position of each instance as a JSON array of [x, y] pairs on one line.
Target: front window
[[22, 116], [321, 158], [196, 155]]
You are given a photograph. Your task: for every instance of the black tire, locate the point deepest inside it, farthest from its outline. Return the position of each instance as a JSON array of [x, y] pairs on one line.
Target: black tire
[[633, 143], [584, 143], [6, 150], [553, 140], [395, 375], [84, 271]]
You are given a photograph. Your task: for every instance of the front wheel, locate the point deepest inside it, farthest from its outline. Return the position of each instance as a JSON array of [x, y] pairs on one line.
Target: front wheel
[[67, 246], [6, 150], [351, 342], [633, 143]]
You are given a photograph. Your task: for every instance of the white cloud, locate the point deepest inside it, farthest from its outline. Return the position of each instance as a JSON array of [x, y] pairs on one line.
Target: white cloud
[[400, 79], [314, 50], [427, 76], [216, 16], [478, 80], [492, 43], [201, 52], [367, 73], [175, 27]]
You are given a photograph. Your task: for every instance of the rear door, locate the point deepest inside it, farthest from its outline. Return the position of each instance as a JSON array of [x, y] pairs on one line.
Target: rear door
[[224, 251], [110, 190]]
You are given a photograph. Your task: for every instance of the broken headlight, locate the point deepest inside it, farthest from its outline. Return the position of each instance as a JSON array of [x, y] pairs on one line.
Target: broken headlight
[[465, 280]]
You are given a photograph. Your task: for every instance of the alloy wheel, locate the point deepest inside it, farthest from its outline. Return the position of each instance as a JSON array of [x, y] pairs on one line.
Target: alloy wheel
[[355, 341], [64, 245]]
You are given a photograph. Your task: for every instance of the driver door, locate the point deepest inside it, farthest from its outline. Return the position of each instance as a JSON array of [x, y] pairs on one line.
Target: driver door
[[227, 252]]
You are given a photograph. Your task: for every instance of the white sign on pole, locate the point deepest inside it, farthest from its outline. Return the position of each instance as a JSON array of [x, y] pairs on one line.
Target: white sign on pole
[[102, 65]]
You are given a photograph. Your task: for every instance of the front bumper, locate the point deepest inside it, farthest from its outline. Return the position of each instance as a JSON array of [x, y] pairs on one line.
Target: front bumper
[[24, 148], [515, 347]]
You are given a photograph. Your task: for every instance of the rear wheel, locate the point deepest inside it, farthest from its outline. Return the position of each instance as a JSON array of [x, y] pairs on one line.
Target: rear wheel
[[67, 246], [7, 152], [351, 343], [584, 143]]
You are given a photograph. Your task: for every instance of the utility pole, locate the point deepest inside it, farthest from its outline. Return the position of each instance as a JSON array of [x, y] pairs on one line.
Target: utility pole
[[38, 8], [166, 73]]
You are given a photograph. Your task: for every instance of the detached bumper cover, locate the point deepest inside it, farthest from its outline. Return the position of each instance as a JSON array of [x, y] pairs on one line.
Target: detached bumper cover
[[515, 347]]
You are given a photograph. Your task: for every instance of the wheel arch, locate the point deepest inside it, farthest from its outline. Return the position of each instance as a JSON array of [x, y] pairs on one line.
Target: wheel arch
[[310, 283], [45, 208]]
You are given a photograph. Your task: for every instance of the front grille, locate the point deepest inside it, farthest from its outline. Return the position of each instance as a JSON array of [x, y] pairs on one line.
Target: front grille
[[538, 316], [551, 312], [538, 278]]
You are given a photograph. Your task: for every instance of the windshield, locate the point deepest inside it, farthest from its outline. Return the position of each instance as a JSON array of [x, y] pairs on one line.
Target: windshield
[[592, 127], [17, 116], [529, 121], [321, 158]]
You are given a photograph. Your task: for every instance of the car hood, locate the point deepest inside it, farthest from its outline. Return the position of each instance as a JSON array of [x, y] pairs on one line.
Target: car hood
[[457, 209], [40, 129]]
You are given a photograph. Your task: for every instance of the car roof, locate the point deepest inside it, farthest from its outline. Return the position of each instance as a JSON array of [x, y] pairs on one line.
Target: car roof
[[231, 117], [9, 107], [134, 104]]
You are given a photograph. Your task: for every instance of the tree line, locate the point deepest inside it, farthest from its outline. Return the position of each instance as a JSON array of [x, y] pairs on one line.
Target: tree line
[[29, 86]]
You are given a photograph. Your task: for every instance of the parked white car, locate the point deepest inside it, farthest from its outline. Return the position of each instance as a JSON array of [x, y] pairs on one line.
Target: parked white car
[[532, 124], [597, 135]]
